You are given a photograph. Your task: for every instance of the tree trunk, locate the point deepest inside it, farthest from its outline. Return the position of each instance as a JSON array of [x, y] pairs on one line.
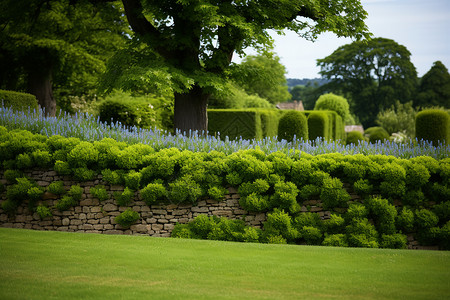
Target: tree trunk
[[190, 111], [40, 85]]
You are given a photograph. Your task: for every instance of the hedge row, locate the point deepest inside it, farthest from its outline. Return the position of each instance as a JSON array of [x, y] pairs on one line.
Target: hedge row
[[276, 184], [18, 101], [261, 123]]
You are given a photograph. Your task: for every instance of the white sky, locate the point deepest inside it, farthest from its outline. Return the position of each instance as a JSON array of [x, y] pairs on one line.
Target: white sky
[[422, 26]]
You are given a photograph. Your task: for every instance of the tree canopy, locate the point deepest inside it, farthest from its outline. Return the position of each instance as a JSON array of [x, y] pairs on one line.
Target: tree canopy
[[47, 44], [434, 89], [188, 44], [372, 74], [264, 76]]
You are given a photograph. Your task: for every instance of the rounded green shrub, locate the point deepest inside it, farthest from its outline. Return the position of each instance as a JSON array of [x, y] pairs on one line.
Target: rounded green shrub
[[99, 192], [83, 155], [383, 213], [44, 212], [333, 194], [311, 235], [335, 224], [127, 218], [18, 101], [433, 125], [309, 191], [333, 102], [308, 219], [363, 187], [377, 134], [112, 177], [293, 124], [217, 192], [12, 175], [255, 202], [184, 189], [285, 197], [279, 223], [335, 240], [355, 137], [182, 231], [153, 193], [394, 241], [362, 234], [124, 198], [65, 203], [442, 211], [56, 188], [133, 180], [425, 218], [405, 220]]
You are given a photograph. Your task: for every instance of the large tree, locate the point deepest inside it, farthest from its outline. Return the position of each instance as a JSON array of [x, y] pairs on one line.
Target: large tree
[[434, 89], [264, 76], [46, 43], [372, 74], [189, 44]]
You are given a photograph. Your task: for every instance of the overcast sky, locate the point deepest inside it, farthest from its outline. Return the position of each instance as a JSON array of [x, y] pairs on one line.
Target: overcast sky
[[422, 26]]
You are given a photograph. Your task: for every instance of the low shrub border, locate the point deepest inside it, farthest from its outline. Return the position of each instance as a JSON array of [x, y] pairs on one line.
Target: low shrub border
[[276, 185]]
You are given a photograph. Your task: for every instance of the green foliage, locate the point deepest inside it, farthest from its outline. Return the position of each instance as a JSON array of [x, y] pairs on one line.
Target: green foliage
[[433, 125], [19, 191], [377, 134], [56, 188], [35, 193], [217, 192], [360, 70], [333, 102], [24, 161], [355, 137], [308, 219], [434, 88], [311, 235], [279, 224], [285, 197], [405, 220], [383, 213], [293, 124], [334, 224], [133, 180], [398, 118], [237, 98], [44, 212], [363, 187], [62, 167], [12, 175], [333, 193], [425, 219], [356, 212], [335, 240], [361, 233], [83, 174], [124, 198], [99, 192], [318, 126], [65, 203], [442, 211], [153, 193], [235, 124], [127, 218], [255, 202], [264, 76], [83, 155], [42, 159], [184, 189], [112, 177], [18, 101], [182, 231], [393, 241]]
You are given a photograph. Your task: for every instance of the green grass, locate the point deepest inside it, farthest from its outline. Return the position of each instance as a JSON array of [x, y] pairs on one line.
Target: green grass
[[56, 265]]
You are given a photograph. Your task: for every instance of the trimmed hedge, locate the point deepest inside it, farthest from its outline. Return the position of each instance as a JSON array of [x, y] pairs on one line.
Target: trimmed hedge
[[377, 134], [354, 137], [236, 123], [293, 123], [319, 126], [18, 101], [276, 184], [433, 125]]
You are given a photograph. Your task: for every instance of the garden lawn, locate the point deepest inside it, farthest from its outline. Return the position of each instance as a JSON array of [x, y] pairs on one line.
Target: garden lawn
[[58, 265]]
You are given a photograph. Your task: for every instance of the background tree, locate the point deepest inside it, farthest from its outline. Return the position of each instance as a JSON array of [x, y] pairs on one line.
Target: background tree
[[434, 89], [308, 94], [65, 44], [372, 75], [264, 76], [186, 47], [399, 118]]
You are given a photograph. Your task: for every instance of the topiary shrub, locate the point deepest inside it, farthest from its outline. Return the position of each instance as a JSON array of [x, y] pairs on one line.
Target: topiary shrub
[[355, 137], [433, 125], [377, 134], [318, 126], [18, 101], [333, 102], [293, 124], [127, 218]]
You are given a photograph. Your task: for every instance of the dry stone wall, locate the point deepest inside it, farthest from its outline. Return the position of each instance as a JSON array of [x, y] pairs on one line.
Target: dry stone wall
[[94, 216]]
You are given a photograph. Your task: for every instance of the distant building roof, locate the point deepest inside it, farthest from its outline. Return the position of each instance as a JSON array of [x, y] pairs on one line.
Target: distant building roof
[[295, 105], [359, 128]]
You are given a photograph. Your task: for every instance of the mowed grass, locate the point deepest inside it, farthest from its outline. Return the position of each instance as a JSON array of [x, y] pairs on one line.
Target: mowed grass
[[57, 265]]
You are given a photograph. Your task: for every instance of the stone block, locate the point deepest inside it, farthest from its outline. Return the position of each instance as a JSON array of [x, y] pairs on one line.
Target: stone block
[[75, 222], [93, 221], [98, 226], [157, 227], [113, 231], [140, 228], [104, 220], [169, 227], [87, 227], [96, 209], [109, 207], [222, 213], [163, 221], [200, 209], [108, 226], [82, 216]]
